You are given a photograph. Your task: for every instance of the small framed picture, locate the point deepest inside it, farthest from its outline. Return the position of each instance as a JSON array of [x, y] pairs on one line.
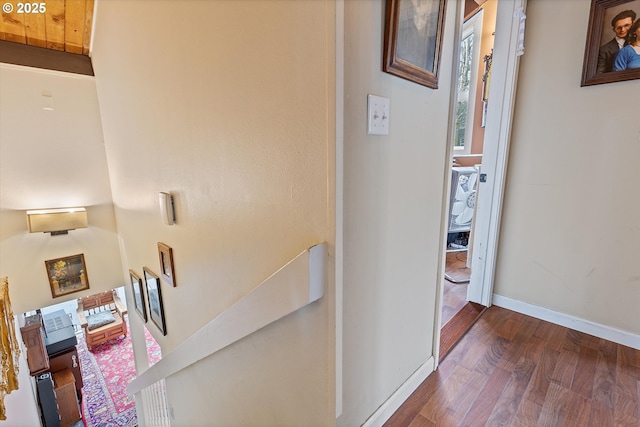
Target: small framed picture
[[613, 42], [165, 253], [154, 297], [138, 294], [67, 275], [413, 40]]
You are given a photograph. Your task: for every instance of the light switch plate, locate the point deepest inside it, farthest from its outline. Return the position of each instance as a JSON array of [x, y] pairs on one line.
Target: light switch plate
[[378, 115]]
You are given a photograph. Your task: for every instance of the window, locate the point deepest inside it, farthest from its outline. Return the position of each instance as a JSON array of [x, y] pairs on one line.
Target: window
[[467, 83]]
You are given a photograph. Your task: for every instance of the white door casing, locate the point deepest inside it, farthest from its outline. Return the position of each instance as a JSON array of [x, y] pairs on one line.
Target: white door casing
[[504, 75]]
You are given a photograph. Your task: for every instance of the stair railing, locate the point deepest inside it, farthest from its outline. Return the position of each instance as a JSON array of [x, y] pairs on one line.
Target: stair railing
[[297, 284]]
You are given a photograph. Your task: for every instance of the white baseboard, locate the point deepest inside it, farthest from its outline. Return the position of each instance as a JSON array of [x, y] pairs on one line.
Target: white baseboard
[[392, 404], [601, 331]]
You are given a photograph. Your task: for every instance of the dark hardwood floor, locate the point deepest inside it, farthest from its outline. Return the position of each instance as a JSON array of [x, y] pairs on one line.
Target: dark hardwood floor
[[515, 370], [457, 314]]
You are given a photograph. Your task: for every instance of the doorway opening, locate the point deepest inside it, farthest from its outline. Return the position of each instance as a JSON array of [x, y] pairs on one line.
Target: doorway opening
[[100, 383], [471, 99]]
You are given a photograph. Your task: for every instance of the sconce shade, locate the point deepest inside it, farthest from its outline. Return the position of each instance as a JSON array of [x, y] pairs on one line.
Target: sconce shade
[[55, 220]]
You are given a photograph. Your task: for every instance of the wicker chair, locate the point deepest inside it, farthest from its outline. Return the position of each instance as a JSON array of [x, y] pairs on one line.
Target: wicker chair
[[102, 317]]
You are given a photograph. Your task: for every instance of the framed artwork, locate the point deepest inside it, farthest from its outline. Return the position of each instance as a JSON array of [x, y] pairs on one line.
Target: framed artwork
[[165, 253], [67, 275], [413, 40], [154, 297], [612, 34], [138, 294]]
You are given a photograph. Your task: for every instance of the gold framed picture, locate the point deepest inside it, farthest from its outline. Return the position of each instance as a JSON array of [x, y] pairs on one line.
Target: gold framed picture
[[67, 275]]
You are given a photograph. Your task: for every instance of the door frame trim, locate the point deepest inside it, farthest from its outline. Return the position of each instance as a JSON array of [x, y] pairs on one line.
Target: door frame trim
[[502, 96]]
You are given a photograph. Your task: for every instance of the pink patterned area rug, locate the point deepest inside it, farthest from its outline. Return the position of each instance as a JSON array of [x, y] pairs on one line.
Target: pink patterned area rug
[[106, 372]]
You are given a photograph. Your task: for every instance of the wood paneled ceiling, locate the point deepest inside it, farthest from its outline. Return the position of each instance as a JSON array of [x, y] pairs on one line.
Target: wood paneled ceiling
[[61, 25]]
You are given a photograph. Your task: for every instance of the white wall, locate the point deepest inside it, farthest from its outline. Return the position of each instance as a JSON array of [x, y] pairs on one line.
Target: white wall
[[230, 107], [51, 159], [570, 227], [393, 203], [21, 407]]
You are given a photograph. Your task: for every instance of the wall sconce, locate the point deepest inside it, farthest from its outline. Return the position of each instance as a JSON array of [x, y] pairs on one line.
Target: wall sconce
[[167, 210], [56, 221]]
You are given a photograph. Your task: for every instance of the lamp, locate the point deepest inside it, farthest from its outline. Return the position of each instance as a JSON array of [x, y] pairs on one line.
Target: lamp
[[56, 221]]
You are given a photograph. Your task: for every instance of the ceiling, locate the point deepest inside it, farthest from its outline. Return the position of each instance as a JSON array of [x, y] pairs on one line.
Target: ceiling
[[61, 25]]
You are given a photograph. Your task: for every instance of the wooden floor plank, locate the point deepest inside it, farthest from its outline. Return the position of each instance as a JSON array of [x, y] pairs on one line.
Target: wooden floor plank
[[573, 341], [458, 408], [565, 368], [578, 410], [419, 421], [513, 370], [482, 408], [628, 361], [436, 407], [541, 378], [601, 415], [458, 326], [605, 375], [555, 406], [507, 406], [584, 377], [527, 414], [492, 356]]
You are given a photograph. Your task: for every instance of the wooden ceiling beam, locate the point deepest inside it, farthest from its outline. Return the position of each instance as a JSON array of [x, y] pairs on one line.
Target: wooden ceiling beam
[[12, 28], [35, 29], [74, 25], [64, 25], [55, 20], [88, 26]]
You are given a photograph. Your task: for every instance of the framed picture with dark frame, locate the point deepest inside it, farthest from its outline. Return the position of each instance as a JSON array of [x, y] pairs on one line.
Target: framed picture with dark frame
[[138, 294], [67, 275], [154, 298], [165, 253], [611, 25], [413, 40]]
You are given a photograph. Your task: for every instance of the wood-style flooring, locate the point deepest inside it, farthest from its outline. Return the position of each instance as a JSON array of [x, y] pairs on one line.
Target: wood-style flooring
[[515, 370], [456, 267], [457, 314], [454, 297]]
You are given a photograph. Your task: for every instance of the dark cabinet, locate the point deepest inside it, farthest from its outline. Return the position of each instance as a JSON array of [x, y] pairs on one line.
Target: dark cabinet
[[68, 360], [37, 357], [65, 390]]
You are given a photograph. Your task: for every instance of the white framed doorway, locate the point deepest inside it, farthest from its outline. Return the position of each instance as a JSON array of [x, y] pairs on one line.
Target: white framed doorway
[[483, 246], [508, 48]]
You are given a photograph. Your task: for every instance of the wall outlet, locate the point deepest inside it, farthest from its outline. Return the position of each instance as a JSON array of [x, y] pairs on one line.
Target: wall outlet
[[378, 115]]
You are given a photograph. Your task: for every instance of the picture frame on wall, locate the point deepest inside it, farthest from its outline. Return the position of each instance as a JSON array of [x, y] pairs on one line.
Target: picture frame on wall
[[413, 40], [138, 294], [610, 26], [165, 253], [67, 275], [154, 299]]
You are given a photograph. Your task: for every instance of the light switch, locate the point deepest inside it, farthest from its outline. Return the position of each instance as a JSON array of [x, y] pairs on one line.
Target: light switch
[[378, 117]]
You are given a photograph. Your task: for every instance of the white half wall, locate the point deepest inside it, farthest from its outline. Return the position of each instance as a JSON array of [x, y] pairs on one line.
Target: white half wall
[[230, 107], [393, 204]]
